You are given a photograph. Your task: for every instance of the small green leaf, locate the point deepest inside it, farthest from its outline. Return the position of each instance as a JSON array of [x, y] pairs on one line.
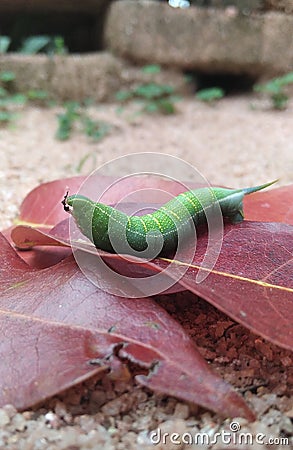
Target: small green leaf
[[280, 100], [7, 76], [18, 99], [153, 90], [166, 106], [4, 102], [210, 94], [59, 46], [272, 87], [122, 96], [287, 79], [151, 107], [95, 129], [4, 43], [6, 116], [82, 161], [37, 94], [3, 92], [63, 131], [34, 44], [66, 120], [153, 97], [275, 85], [276, 89], [174, 98], [151, 69]]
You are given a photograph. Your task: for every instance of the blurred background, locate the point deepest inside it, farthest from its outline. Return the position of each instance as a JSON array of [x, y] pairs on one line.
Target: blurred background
[[231, 43], [82, 83]]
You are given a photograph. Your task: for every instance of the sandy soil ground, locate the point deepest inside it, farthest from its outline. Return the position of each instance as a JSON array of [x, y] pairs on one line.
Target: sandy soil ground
[[231, 144]]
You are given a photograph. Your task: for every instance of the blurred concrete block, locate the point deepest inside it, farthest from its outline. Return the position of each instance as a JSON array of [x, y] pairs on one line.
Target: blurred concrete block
[[193, 38]]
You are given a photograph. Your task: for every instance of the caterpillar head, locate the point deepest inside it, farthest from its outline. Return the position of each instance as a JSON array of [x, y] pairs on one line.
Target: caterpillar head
[[82, 209]]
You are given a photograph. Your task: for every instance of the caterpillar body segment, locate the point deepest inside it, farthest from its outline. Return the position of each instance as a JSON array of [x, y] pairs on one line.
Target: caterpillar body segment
[[157, 233]]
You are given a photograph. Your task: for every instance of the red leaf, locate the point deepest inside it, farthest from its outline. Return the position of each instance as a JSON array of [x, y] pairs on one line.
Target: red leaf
[[54, 322], [274, 205], [252, 280], [39, 359], [41, 207], [252, 253], [46, 250]]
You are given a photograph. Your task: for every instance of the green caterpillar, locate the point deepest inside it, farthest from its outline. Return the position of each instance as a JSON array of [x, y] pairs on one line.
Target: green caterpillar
[[158, 232]]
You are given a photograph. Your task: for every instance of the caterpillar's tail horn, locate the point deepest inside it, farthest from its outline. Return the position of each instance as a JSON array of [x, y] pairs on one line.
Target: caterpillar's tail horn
[[250, 190]]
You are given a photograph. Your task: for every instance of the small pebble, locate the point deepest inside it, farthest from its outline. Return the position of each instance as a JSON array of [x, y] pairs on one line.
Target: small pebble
[[4, 418], [181, 411], [19, 422], [10, 410]]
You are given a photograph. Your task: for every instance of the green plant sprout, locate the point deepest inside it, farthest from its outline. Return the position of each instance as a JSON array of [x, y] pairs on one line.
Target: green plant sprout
[[35, 44], [6, 116], [84, 159], [75, 116], [95, 129], [7, 76], [66, 120], [151, 69], [59, 47], [276, 90], [10, 99], [38, 95], [210, 95], [155, 98], [4, 44]]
